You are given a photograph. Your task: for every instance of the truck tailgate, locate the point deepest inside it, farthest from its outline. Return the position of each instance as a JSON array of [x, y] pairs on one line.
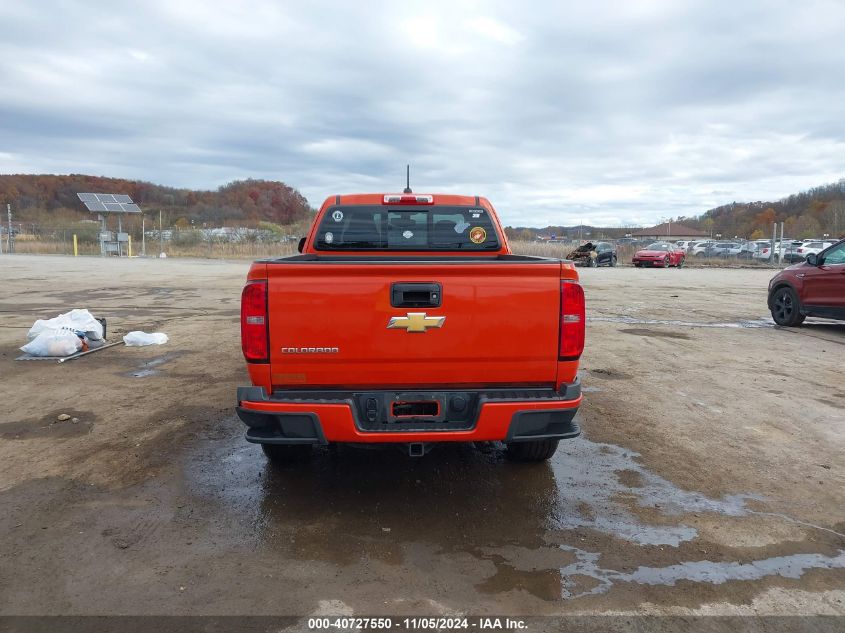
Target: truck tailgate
[[329, 324]]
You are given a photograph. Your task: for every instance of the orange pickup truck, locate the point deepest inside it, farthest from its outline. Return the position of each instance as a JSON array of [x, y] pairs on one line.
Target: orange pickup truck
[[406, 320]]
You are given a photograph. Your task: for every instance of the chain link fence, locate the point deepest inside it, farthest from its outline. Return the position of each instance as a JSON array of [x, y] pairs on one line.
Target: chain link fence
[[249, 243]]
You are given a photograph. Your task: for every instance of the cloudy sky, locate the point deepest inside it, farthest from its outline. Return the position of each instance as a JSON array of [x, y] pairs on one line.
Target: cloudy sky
[[601, 112]]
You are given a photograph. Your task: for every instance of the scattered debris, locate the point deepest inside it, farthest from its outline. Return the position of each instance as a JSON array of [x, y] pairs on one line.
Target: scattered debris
[[64, 335], [139, 339], [76, 320], [53, 343], [63, 417], [90, 351]]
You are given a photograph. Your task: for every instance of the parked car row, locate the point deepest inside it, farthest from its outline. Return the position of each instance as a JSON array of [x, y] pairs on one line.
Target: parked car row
[[666, 254], [789, 251]]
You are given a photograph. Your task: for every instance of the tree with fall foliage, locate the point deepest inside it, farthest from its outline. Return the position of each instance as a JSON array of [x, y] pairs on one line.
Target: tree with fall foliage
[[51, 199]]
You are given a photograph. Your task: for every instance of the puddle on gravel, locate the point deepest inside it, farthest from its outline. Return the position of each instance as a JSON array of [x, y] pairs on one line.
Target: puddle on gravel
[[595, 476], [355, 505], [702, 571], [655, 333], [586, 485], [150, 368], [627, 320]]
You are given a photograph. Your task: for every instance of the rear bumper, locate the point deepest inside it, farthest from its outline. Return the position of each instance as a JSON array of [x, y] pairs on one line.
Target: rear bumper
[[290, 418]]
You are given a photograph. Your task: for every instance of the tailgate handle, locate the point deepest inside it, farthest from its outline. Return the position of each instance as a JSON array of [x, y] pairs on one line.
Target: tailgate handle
[[415, 295]]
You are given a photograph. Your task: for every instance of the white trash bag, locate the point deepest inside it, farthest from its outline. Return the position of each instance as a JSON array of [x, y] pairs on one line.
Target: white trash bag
[[76, 320], [139, 339], [54, 343]]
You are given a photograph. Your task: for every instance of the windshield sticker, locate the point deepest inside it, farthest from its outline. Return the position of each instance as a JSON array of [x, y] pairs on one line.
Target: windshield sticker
[[408, 234], [461, 226], [477, 235], [329, 238], [337, 216], [476, 213]]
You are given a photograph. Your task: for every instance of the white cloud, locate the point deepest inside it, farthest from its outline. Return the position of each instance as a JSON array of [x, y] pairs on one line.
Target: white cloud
[[496, 31], [560, 113], [347, 149]]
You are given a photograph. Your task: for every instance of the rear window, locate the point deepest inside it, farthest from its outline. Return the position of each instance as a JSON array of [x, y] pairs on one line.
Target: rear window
[[413, 228]]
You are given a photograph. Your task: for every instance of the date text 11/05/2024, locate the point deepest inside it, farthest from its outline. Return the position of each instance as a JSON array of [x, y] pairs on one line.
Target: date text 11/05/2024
[[417, 623]]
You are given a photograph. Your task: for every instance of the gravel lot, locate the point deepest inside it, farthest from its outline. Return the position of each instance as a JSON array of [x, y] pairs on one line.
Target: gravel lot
[[709, 478]]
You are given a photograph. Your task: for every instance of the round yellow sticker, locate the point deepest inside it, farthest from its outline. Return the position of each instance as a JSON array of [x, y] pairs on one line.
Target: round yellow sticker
[[477, 235]]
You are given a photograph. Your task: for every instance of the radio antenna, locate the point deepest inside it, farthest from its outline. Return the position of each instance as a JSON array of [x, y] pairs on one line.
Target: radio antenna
[[407, 179]]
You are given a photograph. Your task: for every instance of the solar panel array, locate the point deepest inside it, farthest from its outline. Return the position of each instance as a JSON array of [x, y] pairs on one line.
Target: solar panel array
[[108, 203]]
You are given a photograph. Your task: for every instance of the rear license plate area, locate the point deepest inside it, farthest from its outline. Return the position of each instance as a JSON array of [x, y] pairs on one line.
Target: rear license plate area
[[415, 409], [403, 408]]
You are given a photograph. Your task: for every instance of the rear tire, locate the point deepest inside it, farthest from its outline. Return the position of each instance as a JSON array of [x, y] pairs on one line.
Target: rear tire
[[286, 453], [786, 308], [535, 451], [681, 262]]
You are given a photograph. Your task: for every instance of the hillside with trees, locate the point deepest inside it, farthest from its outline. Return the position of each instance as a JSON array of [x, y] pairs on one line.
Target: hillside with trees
[[52, 200], [811, 213]]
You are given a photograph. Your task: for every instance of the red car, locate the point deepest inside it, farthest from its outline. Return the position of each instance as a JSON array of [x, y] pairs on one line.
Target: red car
[[659, 254], [815, 287]]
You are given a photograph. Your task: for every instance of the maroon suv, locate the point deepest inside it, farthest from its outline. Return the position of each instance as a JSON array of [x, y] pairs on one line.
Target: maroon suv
[[815, 287]]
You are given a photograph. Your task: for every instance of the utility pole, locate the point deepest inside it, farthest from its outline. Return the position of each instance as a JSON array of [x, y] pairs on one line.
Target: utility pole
[[160, 235], [836, 211], [9, 214], [774, 240]]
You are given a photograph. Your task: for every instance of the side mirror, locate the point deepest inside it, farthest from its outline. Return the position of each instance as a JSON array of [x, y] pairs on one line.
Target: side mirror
[[813, 259], [301, 244]]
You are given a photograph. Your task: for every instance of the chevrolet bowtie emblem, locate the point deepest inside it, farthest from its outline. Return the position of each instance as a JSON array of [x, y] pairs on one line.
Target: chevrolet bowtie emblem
[[415, 322]]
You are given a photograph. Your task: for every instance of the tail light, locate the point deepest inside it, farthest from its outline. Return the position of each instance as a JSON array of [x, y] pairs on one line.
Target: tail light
[[408, 199], [572, 320], [800, 250], [254, 337]]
